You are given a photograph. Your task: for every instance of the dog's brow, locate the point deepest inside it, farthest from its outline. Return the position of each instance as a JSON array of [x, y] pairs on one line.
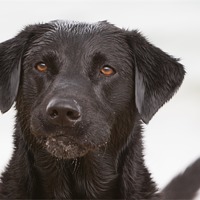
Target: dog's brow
[[98, 57]]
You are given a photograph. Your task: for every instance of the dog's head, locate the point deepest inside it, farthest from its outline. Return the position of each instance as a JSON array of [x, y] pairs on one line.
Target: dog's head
[[73, 82]]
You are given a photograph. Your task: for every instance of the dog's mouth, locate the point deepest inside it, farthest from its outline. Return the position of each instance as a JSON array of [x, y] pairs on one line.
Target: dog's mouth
[[65, 148], [62, 148]]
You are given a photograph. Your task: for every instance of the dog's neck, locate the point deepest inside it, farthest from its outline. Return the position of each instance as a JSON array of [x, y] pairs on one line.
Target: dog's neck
[[85, 177]]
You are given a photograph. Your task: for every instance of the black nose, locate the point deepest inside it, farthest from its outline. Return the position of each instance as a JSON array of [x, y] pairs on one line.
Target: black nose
[[63, 112]]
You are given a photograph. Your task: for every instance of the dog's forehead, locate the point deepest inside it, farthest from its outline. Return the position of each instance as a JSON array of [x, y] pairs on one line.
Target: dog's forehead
[[80, 39], [62, 34]]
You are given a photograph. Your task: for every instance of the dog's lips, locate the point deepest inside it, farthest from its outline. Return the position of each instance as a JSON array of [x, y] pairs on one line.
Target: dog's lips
[[64, 148]]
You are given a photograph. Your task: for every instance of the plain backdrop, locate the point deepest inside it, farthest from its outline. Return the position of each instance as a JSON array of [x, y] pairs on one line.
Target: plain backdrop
[[172, 137]]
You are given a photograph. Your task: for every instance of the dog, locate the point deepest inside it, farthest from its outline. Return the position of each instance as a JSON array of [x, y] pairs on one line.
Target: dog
[[82, 93]]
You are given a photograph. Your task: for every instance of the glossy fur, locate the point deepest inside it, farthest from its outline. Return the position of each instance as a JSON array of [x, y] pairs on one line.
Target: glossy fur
[[101, 155]]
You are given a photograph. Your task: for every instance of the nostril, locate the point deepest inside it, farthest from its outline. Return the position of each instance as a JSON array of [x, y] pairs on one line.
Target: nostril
[[53, 114], [73, 115]]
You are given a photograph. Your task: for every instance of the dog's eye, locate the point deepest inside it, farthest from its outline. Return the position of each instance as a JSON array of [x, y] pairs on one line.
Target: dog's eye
[[41, 67], [107, 71]]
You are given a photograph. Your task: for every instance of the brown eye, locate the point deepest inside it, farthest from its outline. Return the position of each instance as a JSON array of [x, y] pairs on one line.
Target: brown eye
[[41, 67], [107, 71]]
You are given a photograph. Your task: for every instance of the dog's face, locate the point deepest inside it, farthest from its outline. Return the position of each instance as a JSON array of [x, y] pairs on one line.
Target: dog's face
[[74, 81]]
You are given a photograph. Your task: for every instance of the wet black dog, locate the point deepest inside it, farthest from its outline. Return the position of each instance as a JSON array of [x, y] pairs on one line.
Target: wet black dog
[[81, 91]]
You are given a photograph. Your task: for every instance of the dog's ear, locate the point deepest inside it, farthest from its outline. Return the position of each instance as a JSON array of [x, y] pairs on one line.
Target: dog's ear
[[157, 75], [11, 52], [10, 66]]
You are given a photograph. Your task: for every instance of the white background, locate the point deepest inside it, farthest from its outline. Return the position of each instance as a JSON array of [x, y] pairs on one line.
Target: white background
[[172, 138]]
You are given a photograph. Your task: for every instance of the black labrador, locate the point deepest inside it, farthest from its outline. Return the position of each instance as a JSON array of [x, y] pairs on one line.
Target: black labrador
[[82, 92]]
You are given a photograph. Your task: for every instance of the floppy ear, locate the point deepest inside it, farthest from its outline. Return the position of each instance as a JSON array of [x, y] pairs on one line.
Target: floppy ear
[[10, 66], [157, 75], [11, 52]]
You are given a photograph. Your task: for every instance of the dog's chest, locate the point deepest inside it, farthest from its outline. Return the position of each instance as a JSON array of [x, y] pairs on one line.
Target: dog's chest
[[89, 180], [96, 186], [95, 180]]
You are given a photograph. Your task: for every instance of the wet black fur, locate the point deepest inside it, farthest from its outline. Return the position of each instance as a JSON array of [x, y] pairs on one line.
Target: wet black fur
[[113, 107]]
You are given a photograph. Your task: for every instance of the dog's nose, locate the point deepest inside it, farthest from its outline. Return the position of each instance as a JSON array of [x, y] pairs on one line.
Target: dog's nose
[[63, 112]]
